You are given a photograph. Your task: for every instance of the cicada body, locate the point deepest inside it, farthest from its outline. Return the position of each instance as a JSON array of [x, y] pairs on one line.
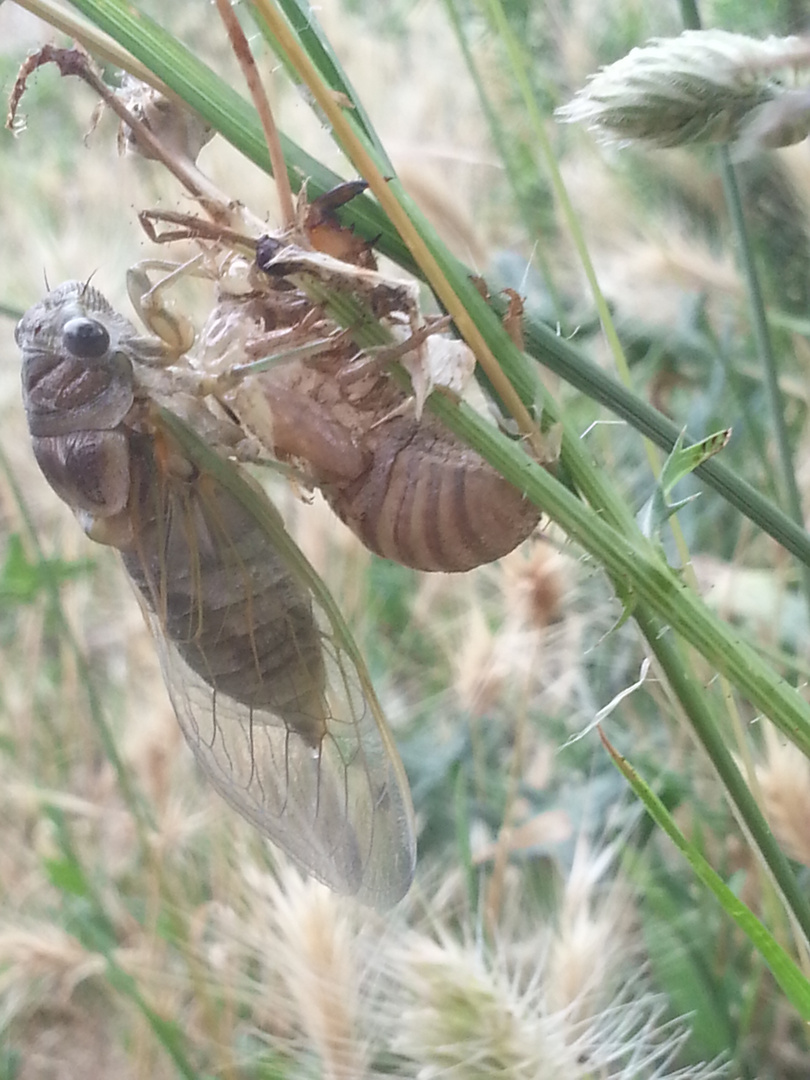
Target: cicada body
[[269, 689]]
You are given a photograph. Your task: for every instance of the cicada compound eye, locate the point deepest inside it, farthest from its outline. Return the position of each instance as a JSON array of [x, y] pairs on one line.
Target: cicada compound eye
[[85, 338]]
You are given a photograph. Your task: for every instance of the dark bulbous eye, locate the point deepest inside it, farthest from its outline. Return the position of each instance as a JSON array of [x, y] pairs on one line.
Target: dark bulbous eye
[[85, 337]]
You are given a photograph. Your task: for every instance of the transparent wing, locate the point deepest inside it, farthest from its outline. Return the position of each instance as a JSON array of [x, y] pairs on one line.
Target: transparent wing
[[269, 689]]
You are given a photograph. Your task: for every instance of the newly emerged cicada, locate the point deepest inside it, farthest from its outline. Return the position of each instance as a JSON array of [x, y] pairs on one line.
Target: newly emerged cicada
[[267, 684]]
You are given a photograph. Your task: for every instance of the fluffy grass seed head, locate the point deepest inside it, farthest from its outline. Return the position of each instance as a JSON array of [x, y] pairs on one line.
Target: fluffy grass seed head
[[313, 938], [462, 1011], [784, 780], [703, 86], [560, 996], [593, 934]]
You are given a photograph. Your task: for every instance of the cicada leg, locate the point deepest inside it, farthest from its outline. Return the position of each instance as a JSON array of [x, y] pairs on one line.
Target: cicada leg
[[154, 310]]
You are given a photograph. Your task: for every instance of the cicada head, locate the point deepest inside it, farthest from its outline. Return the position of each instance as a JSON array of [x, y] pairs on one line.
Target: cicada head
[[77, 381], [76, 371]]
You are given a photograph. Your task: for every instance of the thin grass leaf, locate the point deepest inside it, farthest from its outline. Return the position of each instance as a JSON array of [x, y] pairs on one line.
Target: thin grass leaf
[[785, 971]]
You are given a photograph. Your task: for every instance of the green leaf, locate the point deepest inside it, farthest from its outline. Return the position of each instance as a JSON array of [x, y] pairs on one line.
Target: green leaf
[[685, 459], [67, 876], [682, 460], [22, 581]]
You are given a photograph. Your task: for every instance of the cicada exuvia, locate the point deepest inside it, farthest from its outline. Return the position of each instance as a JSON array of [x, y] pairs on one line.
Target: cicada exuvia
[[266, 681]]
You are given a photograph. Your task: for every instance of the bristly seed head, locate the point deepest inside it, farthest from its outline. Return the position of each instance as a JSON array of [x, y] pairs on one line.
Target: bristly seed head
[[703, 86]]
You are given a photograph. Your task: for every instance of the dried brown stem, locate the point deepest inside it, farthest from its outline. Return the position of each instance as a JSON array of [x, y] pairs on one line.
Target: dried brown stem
[[77, 62], [191, 227], [241, 48]]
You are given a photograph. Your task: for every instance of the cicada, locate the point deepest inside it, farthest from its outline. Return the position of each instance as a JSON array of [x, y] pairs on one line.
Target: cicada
[[269, 689]]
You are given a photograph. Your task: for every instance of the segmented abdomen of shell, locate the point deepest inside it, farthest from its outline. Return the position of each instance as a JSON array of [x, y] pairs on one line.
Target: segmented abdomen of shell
[[432, 503], [225, 598]]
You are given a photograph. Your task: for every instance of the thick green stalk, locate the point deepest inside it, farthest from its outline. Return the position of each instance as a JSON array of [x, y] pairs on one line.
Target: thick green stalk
[[639, 571], [697, 704]]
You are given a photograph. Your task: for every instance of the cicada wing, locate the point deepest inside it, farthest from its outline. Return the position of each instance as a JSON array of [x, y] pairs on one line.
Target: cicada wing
[[269, 689], [362, 748], [337, 808]]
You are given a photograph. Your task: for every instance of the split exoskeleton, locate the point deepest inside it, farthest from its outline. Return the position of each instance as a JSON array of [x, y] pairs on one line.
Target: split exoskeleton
[[404, 484]]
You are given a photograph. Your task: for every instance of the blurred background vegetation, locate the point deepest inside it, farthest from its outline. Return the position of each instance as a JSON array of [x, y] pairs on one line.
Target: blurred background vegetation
[[551, 931]]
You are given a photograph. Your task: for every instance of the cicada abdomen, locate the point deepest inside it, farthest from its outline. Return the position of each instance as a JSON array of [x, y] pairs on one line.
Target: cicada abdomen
[[225, 600], [428, 501], [267, 685], [406, 486], [403, 483]]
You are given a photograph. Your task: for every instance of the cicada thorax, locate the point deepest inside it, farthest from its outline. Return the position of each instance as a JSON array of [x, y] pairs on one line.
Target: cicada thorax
[[223, 597]]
